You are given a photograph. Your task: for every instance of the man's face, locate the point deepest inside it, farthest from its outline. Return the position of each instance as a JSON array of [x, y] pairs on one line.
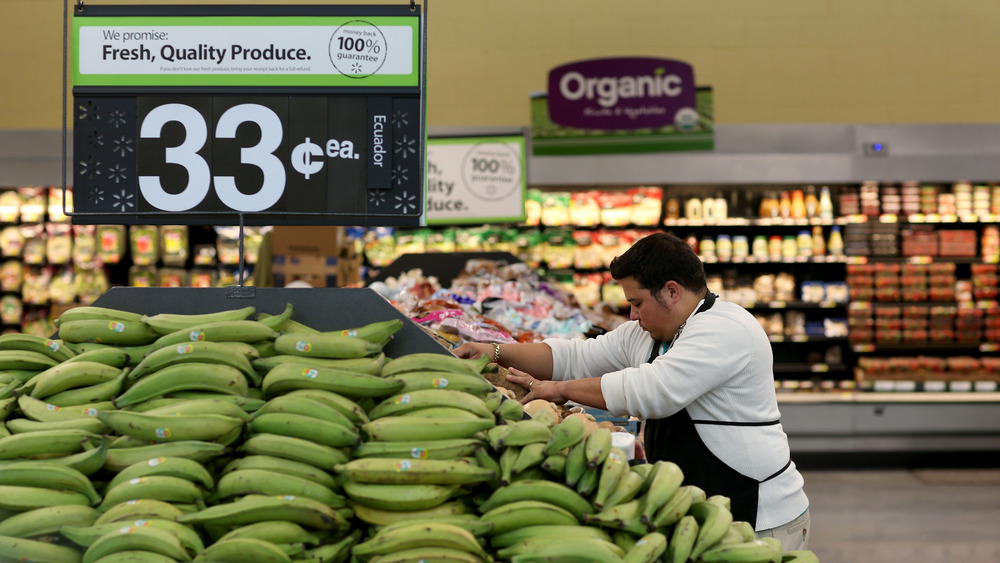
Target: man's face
[[654, 315]]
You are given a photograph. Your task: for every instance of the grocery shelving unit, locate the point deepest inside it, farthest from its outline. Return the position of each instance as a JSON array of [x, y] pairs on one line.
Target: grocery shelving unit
[[832, 424]]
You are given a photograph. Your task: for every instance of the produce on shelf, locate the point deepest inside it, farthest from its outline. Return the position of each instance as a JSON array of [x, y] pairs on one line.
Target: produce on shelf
[[187, 441]]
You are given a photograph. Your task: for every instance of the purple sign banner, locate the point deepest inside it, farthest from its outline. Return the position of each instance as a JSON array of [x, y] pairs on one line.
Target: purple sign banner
[[623, 93]]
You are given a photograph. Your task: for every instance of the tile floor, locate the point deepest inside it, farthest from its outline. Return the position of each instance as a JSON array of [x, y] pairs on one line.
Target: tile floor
[[904, 516]]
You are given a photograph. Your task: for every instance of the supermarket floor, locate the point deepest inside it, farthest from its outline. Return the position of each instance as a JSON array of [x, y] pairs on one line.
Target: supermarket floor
[[912, 516]]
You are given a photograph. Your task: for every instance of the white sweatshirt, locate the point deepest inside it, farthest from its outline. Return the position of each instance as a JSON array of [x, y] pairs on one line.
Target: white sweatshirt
[[719, 369]]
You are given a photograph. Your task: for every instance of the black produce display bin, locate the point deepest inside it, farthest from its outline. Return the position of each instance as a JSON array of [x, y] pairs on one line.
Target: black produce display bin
[[332, 308]]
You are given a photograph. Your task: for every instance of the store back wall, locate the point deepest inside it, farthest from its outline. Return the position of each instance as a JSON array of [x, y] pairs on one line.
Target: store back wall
[[769, 61]]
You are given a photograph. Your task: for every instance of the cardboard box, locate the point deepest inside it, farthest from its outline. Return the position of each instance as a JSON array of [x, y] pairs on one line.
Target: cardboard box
[[323, 240]]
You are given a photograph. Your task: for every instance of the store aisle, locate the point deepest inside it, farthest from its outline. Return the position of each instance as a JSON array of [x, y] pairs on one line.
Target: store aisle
[[920, 516]]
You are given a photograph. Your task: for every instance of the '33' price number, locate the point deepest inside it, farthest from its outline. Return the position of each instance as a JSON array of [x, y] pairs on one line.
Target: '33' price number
[[199, 177]]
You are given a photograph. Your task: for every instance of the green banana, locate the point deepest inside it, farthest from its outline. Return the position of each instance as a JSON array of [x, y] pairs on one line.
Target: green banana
[[219, 331], [431, 534], [597, 446], [493, 400], [424, 361], [118, 333], [28, 426], [170, 427], [576, 463], [45, 442], [85, 535], [372, 365], [422, 471], [615, 467], [347, 407], [417, 380], [506, 461], [258, 508], [380, 517], [165, 323], [25, 360], [277, 322], [673, 509], [713, 522], [18, 375], [626, 489], [546, 491], [468, 522], [87, 462], [207, 352], [262, 482], [184, 407], [755, 550], [307, 428], [109, 355], [486, 461], [141, 538], [563, 550], [248, 404], [776, 547], [295, 449], [529, 456], [623, 516], [20, 498], [46, 412], [337, 552], [139, 509], [303, 375], [6, 407], [745, 529], [239, 550], [274, 531], [426, 398], [418, 449], [379, 332], [47, 520], [134, 353], [90, 312], [300, 405], [118, 459], [19, 549], [48, 475], [427, 554], [408, 429], [70, 375], [282, 466], [184, 377], [520, 513], [159, 487], [524, 432], [324, 345], [399, 497], [97, 393], [589, 481], [566, 434], [647, 549], [555, 531], [509, 410], [21, 341], [170, 466], [666, 479], [555, 465]]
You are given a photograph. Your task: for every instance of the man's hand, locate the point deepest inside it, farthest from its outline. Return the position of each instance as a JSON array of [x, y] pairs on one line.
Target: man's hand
[[537, 389]]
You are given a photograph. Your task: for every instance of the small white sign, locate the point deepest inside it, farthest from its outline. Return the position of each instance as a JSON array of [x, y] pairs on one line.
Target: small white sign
[[479, 179]]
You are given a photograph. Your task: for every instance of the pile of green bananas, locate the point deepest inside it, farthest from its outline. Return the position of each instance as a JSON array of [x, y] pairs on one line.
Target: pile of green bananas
[[241, 436]]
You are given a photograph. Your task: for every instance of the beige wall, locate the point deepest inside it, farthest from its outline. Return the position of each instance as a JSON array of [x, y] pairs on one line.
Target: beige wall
[[769, 61]]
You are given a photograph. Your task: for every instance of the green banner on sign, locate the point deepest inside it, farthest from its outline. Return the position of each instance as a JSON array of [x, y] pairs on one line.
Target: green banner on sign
[[549, 138]]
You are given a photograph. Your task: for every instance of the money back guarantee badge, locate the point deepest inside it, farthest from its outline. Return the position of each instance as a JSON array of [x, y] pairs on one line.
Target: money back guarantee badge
[[358, 49]]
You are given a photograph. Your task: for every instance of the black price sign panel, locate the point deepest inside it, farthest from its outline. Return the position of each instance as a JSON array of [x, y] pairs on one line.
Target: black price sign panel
[[288, 115]]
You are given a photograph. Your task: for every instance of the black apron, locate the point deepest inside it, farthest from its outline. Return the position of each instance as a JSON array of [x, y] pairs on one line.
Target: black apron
[[675, 439]]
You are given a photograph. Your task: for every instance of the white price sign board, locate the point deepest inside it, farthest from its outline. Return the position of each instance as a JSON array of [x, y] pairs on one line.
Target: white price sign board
[[476, 180]]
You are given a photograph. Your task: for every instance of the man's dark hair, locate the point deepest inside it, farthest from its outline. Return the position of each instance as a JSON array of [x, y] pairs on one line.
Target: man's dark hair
[[658, 258]]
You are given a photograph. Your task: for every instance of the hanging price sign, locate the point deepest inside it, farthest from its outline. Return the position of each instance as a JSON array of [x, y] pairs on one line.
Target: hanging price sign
[[262, 115]]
